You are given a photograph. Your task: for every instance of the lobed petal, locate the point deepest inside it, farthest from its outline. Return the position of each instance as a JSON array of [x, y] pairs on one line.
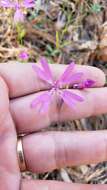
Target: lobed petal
[[46, 68], [67, 74], [75, 78], [41, 74], [7, 4], [70, 102], [69, 97], [41, 103]]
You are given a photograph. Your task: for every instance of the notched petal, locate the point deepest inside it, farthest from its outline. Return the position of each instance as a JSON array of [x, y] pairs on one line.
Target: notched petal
[[67, 74], [70, 98], [46, 67], [41, 74], [41, 103]]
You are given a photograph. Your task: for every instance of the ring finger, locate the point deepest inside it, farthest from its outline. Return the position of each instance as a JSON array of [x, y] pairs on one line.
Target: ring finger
[[46, 151]]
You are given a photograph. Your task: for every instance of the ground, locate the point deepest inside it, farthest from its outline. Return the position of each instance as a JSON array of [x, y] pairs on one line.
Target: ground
[[62, 30]]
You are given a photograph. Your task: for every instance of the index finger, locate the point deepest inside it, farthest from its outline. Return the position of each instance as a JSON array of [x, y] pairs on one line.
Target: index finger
[[22, 80]]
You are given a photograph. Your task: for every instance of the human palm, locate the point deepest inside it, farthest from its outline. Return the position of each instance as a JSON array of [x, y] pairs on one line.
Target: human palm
[[45, 151]]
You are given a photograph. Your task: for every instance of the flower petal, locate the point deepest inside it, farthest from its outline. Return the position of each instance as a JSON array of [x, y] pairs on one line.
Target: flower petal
[[41, 103], [75, 78], [69, 97], [70, 102], [28, 3], [46, 67], [67, 74], [7, 4], [19, 16], [41, 74], [23, 55], [89, 83]]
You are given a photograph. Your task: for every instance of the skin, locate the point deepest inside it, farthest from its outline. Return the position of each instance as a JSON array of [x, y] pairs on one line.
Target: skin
[[45, 151]]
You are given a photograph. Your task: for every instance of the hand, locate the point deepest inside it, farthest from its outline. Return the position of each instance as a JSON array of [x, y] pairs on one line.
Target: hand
[[45, 151]]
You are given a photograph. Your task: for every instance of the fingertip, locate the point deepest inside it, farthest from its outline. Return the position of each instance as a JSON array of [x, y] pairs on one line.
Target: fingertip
[[101, 76], [93, 73]]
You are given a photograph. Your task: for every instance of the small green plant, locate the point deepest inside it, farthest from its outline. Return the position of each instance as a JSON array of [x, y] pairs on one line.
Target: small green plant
[[50, 51], [96, 8], [20, 32]]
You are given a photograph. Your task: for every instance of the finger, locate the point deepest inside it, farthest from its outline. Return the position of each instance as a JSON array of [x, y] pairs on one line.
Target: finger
[[9, 170], [28, 119], [54, 185], [52, 150], [21, 78]]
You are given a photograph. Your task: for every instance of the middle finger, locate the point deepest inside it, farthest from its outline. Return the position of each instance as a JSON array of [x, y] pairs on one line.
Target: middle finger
[[28, 119]]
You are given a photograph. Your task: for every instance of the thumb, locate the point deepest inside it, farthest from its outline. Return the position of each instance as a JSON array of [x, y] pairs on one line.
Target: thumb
[[9, 171]]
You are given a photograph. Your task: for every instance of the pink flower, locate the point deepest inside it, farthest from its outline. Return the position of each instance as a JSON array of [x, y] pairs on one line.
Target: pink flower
[[43, 101], [18, 16], [85, 84], [23, 55], [17, 6]]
